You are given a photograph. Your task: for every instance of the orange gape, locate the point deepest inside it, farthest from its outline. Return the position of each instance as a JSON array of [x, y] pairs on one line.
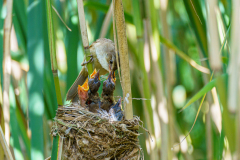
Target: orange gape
[[94, 73], [83, 93], [114, 77]]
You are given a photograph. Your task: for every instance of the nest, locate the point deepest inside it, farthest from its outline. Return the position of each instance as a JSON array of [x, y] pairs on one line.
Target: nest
[[90, 135]]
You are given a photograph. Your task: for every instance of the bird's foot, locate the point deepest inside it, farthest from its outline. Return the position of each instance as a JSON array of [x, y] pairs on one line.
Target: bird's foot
[[89, 61]]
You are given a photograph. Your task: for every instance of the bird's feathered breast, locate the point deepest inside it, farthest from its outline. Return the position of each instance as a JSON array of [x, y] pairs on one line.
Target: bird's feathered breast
[[103, 47]]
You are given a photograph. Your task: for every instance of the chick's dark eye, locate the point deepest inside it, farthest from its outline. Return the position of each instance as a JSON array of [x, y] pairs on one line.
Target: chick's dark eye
[[111, 61]]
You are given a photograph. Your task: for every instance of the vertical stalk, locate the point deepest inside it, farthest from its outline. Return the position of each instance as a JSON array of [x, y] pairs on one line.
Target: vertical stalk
[[142, 50], [215, 63], [209, 98], [154, 149], [234, 59], [1, 120], [238, 131], [170, 56], [52, 47], [213, 41], [57, 145], [106, 22], [35, 52], [84, 34], [233, 92], [124, 61], [162, 106], [5, 145], [7, 68], [115, 39], [169, 75], [208, 121], [154, 34]]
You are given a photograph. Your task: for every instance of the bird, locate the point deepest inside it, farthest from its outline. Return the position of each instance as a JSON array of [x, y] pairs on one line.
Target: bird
[[115, 112], [94, 82], [93, 101], [102, 56], [83, 93], [107, 92]]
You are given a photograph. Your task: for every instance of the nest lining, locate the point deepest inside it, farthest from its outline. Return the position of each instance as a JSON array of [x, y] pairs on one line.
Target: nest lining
[[90, 135]]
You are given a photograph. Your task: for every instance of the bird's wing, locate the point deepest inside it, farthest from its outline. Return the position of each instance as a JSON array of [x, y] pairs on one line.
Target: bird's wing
[[72, 92]]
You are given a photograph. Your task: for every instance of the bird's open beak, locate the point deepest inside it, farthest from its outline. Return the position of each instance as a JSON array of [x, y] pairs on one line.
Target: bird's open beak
[[84, 87], [113, 76], [93, 74]]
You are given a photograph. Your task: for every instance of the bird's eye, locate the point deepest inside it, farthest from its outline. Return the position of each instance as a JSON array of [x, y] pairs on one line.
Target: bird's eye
[[111, 61]]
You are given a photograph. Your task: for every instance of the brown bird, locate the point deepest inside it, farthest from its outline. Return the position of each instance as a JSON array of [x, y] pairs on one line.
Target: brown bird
[[83, 93], [107, 93], [93, 100], [116, 113], [102, 55]]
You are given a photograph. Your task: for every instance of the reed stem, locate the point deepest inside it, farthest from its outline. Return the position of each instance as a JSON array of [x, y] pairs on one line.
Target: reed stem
[[84, 34], [7, 68], [5, 146], [124, 61], [52, 47]]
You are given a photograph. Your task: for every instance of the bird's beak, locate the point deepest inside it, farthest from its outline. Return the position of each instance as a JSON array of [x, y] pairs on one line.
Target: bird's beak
[[119, 102], [110, 68], [113, 76], [114, 64], [110, 77], [84, 87], [97, 76], [93, 74]]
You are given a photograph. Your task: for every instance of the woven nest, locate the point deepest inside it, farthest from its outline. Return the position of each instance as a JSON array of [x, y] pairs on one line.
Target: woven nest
[[90, 135]]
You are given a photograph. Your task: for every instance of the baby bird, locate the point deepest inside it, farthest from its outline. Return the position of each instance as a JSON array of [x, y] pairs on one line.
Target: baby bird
[[83, 93], [116, 113], [93, 100], [94, 82], [107, 93]]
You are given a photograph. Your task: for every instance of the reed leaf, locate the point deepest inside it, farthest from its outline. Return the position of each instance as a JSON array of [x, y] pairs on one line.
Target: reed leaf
[[203, 91], [197, 21], [35, 78]]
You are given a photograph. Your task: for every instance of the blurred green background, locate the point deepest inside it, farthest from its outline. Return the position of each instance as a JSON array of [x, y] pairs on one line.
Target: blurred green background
[[169, 62]]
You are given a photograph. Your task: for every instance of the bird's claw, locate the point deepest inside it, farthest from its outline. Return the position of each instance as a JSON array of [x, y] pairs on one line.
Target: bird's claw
[[89, 61]]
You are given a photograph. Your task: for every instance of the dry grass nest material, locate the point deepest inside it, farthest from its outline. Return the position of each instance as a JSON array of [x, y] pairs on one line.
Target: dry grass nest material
[[88, 135]]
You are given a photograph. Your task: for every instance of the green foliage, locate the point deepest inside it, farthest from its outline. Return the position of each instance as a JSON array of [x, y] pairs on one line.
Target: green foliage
[[35, 78], [202, 92], [198, 23]]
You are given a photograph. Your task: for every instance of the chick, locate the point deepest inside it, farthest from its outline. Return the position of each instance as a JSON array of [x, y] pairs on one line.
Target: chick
[[93, 100], [107, 93], [116, 113], [83, 93], [94, 82]]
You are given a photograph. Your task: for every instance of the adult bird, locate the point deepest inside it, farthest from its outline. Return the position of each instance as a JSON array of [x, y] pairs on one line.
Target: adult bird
[[102, 56]]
